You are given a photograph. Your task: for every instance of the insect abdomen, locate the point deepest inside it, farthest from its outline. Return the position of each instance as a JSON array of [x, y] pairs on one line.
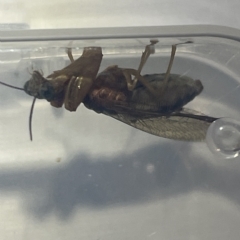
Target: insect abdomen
[[108, 95]]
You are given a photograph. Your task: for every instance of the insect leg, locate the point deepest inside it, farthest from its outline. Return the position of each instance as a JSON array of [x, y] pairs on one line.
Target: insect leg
[[76, 91], [145, 55], [131, 83], [167, 74], [174, 48], [128, 72], [69, 53]]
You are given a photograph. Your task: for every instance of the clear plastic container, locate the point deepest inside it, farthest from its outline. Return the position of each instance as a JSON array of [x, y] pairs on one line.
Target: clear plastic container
[[88, 176]]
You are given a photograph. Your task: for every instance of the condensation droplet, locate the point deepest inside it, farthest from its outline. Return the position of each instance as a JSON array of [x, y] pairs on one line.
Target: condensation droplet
[[223, 137]]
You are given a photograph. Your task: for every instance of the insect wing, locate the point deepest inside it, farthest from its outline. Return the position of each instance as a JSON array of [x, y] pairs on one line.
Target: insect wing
[[184, 125], [179, 126]]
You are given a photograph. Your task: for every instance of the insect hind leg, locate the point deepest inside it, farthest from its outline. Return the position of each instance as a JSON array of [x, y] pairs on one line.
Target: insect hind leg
[[167, 74]]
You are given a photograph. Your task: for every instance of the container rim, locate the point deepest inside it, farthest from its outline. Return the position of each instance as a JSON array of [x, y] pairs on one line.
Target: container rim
[[120, 33]]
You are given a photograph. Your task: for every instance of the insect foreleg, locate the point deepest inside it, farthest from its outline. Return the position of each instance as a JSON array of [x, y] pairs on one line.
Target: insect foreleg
[[76, 91]]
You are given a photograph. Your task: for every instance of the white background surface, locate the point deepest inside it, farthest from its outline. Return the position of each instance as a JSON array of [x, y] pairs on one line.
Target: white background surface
[[87, 176]]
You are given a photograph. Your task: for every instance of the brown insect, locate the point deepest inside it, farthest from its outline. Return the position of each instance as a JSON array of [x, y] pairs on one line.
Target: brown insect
[[152, 103]]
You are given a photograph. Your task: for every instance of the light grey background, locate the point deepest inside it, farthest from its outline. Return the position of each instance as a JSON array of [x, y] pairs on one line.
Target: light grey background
[[87, 176], [92, 13]]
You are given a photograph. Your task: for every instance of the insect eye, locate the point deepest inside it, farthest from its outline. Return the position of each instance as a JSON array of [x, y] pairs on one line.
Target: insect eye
[[47, 91], [28, 88]]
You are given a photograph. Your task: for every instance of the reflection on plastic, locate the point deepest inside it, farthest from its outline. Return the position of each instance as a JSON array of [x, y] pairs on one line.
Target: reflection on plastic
[[223, 137]]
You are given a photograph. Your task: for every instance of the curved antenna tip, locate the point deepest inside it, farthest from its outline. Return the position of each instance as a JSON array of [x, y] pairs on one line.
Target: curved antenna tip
[[30, 118]]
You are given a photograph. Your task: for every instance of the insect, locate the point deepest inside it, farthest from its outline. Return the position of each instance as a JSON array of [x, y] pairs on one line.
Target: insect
[[152, 103]]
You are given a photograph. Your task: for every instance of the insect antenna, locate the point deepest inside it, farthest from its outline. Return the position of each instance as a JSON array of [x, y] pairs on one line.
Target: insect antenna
[[11, 86], [30, 118], [31, 110]]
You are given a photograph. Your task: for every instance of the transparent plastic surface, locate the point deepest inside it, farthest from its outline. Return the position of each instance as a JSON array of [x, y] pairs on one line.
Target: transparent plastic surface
[[88, 176]]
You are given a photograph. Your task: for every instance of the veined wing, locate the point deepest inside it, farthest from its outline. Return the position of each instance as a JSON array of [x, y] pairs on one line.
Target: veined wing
[[181, 125]]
